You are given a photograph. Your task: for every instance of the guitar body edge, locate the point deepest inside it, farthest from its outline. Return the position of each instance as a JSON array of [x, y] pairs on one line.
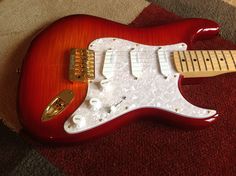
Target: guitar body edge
[[45, 71]]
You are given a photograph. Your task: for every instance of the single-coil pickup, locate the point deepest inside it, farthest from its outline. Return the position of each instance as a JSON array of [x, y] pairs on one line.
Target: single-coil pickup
[[109, 63], [163, 57], [136, 66]]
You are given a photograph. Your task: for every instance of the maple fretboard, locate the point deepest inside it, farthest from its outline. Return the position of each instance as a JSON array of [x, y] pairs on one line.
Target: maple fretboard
[[204, 63]]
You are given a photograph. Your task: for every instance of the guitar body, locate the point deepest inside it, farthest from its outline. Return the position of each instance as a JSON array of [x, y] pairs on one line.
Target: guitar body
[[45, 74]]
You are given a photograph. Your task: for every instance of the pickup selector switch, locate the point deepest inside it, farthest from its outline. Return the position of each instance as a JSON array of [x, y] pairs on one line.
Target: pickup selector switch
[[105, 85], [112, 109]]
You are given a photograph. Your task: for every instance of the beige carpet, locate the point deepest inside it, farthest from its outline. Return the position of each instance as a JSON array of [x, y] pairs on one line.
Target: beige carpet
[[231, 2], [21, 20]]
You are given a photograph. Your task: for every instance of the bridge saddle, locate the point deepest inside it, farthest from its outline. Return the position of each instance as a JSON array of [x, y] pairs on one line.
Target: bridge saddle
[[81, 67]]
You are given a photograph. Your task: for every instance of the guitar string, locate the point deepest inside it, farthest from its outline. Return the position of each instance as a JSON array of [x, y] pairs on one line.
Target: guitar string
[[157, 50], [146, 59], [142, 66], [141, 60], [156, 55], [169, 52]]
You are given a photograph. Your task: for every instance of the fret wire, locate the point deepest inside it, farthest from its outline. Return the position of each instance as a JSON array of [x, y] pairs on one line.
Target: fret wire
[[210, 60], [214, 60], [180, 61], [185, 60], [207, 60], [185, 66], [225, 60], [204, 60], [221, 60], [217, 59], [232, 58], [191, 60], [200, 69], [176, 61]]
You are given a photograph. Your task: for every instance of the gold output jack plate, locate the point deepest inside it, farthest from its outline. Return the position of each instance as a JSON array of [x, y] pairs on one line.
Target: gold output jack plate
[[57, 105]]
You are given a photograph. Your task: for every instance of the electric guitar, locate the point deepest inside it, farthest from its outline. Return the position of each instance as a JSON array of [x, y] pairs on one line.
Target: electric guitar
[[84, 76]]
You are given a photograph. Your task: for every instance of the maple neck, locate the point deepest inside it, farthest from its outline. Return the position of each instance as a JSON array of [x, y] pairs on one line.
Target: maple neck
[[204, 63]]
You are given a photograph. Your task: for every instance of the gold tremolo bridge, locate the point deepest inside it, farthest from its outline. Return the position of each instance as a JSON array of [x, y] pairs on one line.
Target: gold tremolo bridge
[[81, 67]]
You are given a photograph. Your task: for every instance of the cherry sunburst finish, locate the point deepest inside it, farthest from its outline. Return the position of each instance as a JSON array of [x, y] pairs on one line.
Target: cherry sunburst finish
[[45, 71]]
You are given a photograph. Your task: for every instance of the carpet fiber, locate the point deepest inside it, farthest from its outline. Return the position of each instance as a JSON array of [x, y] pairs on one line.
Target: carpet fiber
[[216, 10]]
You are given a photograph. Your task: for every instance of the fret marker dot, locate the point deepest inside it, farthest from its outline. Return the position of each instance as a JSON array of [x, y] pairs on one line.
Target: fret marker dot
[[183, 60], [221, 59], [207, 59], [194, 60]]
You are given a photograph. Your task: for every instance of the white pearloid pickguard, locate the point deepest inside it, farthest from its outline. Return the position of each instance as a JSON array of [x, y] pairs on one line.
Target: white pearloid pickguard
[[156, 86]]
